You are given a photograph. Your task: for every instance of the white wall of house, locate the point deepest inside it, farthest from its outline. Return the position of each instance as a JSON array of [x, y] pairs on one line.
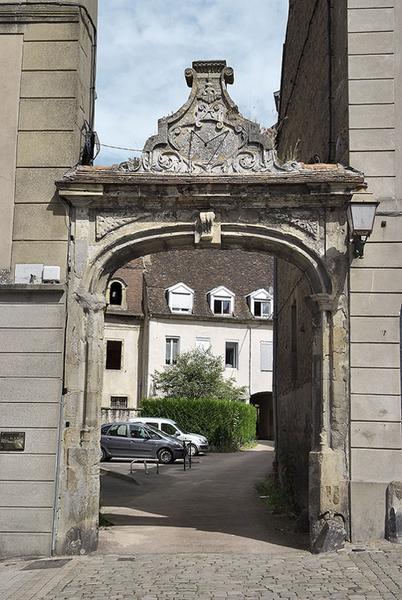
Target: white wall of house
[[254, 343], [124, 381]]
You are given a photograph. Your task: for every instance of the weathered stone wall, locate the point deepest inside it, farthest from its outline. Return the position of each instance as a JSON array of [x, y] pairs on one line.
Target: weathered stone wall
[[313, 106], [293, 379]]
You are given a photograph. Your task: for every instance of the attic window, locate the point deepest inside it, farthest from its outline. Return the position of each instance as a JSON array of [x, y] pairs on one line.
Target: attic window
[[261, 304], [221, 301], [116, 294], [180, 298]]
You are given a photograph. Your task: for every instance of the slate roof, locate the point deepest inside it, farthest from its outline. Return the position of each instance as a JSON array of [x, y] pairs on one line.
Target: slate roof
[[203, 270]]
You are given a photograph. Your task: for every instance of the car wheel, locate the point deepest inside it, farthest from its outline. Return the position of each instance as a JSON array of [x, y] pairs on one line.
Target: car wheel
[[192, 449], [105, 457], [165, 456]]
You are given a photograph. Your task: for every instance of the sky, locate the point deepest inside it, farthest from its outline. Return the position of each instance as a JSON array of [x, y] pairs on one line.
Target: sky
[[145, 45]]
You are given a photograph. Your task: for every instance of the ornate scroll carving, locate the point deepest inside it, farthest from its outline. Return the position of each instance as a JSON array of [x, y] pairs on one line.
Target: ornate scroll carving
[[108, 220], [208, 134], [299, 220]]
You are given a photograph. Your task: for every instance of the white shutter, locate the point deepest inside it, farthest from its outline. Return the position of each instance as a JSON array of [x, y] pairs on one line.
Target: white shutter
[[181, 301], [266, 356]]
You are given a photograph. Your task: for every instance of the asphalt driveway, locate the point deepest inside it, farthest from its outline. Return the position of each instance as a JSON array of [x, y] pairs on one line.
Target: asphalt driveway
[[212, 508]]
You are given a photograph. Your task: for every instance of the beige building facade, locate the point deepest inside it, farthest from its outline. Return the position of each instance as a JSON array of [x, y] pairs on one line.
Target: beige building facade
[[341, 100], [47, 70]]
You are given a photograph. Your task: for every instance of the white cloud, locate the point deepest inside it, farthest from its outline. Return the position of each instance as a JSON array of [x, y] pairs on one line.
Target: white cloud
[[145, 45]]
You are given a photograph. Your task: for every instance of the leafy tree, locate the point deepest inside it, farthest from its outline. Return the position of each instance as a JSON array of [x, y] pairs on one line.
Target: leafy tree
[[197, 374]]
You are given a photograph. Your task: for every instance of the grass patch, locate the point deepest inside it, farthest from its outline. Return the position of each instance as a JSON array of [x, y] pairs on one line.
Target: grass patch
[[278, 501]]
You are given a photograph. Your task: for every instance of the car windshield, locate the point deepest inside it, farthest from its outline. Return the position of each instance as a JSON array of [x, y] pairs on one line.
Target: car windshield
[[161, 434]]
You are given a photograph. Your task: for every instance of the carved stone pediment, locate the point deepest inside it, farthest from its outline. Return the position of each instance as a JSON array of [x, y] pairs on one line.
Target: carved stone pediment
[[208, 134]]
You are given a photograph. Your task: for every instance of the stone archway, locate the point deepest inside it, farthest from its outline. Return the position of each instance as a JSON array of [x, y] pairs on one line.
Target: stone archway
[[179, 197]]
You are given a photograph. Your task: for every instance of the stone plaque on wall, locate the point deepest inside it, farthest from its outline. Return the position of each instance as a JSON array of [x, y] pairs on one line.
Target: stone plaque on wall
[[12, 441]]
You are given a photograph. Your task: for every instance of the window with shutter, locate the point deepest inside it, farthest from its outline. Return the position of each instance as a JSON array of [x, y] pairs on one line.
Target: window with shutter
[[266, 356]]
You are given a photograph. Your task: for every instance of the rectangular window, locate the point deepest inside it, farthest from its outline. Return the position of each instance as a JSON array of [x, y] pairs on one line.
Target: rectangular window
[[172, 350], [113, 354], [231, 355], [262, 308], [203, 343], [118, 401], [221, 306], [266, 356]]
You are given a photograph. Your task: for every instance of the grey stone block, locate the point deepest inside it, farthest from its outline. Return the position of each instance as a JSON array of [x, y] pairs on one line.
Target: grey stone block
[[29, 467], [375, 355], [376, 435], [366, 19], [372, 465], [31, 340], [28, 316], [21, 415], [47, 149], [376, 280], [371, 92], [25, 389], [372, 139], [379, 42], [27, 493], [48, 84], [371, 66], [31, 365], [34, 32], [47, 114], [374, 163], [375, 381], [25, 544], [375, 408], [374, 304], [369, 116], [40, 222], [36, 185], [35, 520], [50, 56]]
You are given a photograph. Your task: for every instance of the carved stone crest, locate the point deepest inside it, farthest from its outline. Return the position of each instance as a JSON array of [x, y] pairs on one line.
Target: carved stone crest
[[208, 134]]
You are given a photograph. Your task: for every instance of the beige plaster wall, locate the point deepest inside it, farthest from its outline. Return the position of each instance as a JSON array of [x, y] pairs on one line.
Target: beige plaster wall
[[375, 99], [10, 75]]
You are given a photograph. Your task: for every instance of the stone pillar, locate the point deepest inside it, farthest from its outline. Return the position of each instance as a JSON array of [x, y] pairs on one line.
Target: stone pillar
[[328, 473], [78, 497]]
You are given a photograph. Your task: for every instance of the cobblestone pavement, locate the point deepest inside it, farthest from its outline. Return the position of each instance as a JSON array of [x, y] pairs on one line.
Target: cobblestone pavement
[[369, 575]]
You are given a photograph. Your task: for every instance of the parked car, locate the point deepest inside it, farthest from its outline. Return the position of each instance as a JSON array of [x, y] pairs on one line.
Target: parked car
[[136, 440], [196, 443]]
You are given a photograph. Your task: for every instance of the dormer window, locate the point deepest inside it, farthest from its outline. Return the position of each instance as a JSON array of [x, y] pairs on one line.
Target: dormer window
[[221, 301], [116, 294], [261, 304], [180, 298]]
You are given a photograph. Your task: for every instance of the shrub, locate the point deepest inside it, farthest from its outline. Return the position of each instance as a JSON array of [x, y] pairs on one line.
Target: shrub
[[197, 374], [227, 424]]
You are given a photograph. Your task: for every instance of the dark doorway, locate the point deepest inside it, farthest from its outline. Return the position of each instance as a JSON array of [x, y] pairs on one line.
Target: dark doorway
[[265, 415]]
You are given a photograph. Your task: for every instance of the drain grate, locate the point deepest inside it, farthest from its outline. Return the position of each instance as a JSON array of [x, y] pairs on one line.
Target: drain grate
[[47, 564], [126, 558]]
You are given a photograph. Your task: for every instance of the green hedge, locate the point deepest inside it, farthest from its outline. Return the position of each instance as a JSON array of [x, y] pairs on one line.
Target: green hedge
[[227, 424]]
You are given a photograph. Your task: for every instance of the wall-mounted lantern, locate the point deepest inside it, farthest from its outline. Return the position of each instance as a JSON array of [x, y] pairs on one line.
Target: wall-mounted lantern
[[361, 222]]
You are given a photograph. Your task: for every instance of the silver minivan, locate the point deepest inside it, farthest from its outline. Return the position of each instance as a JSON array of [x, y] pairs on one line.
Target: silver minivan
[[196, 443]]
